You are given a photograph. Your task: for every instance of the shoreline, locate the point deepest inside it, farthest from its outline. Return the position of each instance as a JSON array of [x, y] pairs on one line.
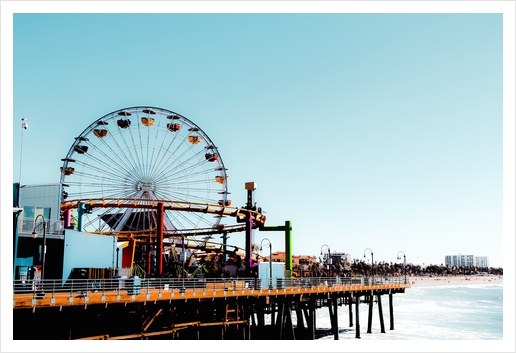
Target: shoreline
[[420, 281]]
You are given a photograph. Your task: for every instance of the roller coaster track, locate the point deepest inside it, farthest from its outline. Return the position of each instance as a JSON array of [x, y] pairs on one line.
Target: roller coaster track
[[189, 236], [185, 206]]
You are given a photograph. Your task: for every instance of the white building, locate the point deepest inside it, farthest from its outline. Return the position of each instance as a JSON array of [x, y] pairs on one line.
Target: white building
[[466, 261], [482, 261], [336, 257]]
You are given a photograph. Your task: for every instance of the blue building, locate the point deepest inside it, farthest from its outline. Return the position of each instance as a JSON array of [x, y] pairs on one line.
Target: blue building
[[36, 209]]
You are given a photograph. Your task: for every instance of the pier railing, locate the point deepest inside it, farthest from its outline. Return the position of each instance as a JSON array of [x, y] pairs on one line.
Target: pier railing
[[136, 286]]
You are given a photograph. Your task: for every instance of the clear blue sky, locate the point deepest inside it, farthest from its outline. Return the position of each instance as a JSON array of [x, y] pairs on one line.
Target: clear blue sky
[[379, 131]]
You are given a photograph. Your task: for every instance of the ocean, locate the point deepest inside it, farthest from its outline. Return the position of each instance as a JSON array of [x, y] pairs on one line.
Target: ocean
[[450, 312]]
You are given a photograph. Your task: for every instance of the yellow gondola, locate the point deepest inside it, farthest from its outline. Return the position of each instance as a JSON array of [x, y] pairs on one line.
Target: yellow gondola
[[194, 139], [148, 121]]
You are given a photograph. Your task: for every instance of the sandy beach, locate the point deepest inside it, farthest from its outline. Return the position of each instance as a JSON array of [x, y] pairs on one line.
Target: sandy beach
[[453, 280]]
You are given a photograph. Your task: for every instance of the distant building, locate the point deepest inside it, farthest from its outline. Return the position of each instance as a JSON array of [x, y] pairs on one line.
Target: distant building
[[482, 261], [466, 261], [302, 263], [338, 257], [278, 256]]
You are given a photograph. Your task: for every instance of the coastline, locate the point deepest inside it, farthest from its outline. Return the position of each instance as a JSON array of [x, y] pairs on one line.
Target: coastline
[[453, 280]]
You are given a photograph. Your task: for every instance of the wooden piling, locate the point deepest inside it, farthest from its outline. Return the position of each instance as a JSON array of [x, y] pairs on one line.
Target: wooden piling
[[279, 320], [350, 307], [289, 326], [391, 311], [357, 317], [301, 330], [370, 316], [334, 319], [311, 319], [380, 313]]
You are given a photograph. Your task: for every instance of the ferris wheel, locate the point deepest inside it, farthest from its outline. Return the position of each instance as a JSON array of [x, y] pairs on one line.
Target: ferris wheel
[[140, 155]]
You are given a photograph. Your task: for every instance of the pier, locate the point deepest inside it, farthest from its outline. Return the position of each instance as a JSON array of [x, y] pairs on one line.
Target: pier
[[195, 308]]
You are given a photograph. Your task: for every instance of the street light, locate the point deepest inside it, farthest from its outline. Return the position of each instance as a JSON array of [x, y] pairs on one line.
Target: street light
[[372, 260], [404, 264], [35, 235], [270, 260], [329, 257]]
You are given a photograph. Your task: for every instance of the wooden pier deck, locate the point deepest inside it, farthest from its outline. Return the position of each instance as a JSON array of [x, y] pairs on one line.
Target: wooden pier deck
[[236, 309]]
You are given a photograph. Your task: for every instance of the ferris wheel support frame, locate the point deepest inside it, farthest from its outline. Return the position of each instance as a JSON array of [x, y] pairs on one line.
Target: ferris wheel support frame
[[287, 228]]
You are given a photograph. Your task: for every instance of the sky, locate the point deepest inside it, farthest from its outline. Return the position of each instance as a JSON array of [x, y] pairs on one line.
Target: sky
[[380, 131], [391, 131]]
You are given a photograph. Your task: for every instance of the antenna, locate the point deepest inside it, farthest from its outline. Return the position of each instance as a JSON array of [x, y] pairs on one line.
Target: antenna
[[25, 126]]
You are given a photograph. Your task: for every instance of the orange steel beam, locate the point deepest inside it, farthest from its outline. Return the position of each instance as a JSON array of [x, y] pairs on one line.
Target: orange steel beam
[[174, 233], [168, 205]]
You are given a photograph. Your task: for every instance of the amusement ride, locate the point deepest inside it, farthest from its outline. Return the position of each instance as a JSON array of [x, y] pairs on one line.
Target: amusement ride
[[152, 176]]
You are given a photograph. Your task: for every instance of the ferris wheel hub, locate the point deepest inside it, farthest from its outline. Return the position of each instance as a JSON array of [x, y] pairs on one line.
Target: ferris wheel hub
[[146, 184]]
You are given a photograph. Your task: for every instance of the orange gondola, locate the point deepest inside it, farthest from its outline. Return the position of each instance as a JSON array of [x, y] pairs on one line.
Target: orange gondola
[[68, 170], [100, 133], [194, 139], [148, 121]]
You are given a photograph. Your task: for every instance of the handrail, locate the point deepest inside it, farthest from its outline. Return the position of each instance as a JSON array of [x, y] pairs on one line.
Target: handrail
[[35, 288]]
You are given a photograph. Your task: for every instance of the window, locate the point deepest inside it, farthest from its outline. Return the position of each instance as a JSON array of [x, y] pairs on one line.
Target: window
[[28, 216]]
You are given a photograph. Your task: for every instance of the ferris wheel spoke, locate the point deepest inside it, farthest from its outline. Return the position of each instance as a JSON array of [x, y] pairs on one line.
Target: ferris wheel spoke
[[185, 166], [166, 152], [107, 177], [185, 172], [191, 195], [99, 166], [168, 167], [111, 159], [195, 198], [126, 154], [154, 147], [132, 158], [170, 151], [95, 184], [140, 143]]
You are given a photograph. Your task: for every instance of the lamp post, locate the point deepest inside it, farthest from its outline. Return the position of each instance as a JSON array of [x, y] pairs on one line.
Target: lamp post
[[35, 235], [404, 263], [270, 260], [372, 260], [329, 257]]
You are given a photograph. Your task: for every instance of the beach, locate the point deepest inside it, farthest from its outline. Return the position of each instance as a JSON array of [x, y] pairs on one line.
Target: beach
[[427, 281]]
